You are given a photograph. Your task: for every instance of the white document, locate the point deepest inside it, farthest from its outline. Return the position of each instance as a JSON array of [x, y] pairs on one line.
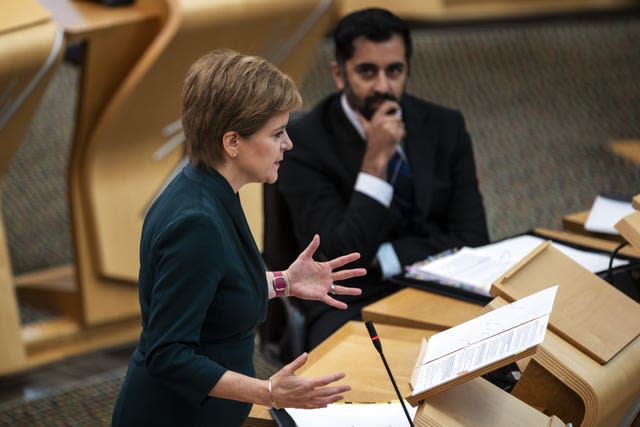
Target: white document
[[605, 213], [482, 341], [354, 415], [514, 249], [477, 268], [466, 267]]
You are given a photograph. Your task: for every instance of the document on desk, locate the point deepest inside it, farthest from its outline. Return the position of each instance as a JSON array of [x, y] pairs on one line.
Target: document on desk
[[384, 414], [606, 212], [476, 269], [460, 353]]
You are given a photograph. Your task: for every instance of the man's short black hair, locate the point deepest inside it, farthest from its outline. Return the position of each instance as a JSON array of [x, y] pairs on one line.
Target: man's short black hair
[[374, 24]]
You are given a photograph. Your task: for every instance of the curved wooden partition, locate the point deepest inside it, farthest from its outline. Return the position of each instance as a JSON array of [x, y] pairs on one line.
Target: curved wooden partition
[[569, 384], [30, 49], [119, 166], [443, 10]]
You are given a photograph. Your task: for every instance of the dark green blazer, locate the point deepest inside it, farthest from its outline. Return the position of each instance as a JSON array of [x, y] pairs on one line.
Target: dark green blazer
[[202, 292]]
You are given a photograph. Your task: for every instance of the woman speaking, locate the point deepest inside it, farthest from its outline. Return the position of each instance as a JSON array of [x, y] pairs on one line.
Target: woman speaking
[[203, 285]]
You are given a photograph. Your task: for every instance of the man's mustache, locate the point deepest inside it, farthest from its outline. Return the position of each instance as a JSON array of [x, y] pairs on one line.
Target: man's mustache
[[376, 98]]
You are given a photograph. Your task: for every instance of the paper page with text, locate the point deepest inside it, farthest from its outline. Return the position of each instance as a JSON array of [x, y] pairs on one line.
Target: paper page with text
[[487, 339], [386, 414]]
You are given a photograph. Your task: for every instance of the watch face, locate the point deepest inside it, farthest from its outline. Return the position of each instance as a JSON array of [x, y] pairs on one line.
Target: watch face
[[279, 283]]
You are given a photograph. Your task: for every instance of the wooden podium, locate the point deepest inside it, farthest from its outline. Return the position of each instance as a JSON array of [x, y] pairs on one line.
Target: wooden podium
[[416, 308], [629, 226], [350, 350], [587, 369]]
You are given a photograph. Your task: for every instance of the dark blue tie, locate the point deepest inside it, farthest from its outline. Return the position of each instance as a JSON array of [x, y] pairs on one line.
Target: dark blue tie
[[399, 176]]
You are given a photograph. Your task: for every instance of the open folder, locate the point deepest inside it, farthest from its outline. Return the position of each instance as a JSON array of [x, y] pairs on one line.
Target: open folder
[[481, 345]]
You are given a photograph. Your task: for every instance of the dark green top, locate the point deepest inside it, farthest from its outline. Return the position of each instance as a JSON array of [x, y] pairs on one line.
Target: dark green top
[[202, 292]]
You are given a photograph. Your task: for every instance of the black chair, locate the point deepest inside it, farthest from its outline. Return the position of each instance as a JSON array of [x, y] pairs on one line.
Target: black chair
[[282, 335]]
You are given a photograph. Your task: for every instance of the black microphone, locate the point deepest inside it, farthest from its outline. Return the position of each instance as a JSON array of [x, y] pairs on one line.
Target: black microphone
[[378, 345]]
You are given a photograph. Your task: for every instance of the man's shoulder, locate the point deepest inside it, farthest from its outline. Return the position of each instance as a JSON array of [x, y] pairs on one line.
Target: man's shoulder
[[315, 126], [422, 105], [317, 115]]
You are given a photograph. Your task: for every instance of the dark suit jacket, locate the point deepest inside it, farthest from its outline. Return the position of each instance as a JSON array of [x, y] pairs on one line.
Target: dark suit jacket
[[202, 292], [318, 175]]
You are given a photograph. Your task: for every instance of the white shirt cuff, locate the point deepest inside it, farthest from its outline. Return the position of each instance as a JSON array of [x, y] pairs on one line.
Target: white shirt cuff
[[388, 260], [374, 187]]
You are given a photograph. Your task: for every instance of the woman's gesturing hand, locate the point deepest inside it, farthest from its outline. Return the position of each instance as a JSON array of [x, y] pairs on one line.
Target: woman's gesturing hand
[[291, 391], [309, 279]]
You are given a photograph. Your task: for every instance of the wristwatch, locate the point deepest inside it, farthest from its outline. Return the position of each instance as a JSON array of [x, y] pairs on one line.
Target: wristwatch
[[279, 283]]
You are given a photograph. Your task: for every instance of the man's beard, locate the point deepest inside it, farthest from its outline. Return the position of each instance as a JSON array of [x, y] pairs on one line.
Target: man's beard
[[367, 108]]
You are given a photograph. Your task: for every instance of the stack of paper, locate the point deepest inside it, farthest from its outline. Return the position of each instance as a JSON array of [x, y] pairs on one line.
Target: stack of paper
[[476, 269]]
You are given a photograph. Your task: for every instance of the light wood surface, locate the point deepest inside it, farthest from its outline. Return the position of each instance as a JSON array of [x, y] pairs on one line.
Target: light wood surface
[[56, 339], [565, 381], [421, 309], [629, 228], [628, 149], [82, 18], [30, 50], [577, 388], [588, 241], [594, 316], [574, 223], [480, 403], [349, 349], [20, 14]]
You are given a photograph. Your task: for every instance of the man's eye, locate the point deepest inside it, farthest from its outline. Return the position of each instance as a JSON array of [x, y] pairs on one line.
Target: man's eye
[[367, 72], [395, 71]]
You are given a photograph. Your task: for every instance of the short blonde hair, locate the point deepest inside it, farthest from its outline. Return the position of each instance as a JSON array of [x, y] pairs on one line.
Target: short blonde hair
[[228, 91]]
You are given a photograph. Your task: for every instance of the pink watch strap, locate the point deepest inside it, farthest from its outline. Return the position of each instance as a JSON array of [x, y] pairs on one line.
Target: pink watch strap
[[279, 283]]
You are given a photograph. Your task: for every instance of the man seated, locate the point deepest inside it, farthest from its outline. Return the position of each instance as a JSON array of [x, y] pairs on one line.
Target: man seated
[[376, 170]]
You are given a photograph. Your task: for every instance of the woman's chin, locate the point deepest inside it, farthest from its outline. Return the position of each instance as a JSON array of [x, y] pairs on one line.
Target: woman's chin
[[272, 179]]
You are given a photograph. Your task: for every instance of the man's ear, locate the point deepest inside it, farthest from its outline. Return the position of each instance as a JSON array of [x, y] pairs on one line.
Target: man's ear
[[230, 143], [338, 74]]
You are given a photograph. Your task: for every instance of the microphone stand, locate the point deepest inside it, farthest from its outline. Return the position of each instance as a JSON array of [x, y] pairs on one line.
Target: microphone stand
[[378, 345]]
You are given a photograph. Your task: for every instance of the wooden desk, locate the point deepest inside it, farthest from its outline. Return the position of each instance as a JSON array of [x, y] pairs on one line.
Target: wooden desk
[[415, 308], [588, 241], [575, 223], [476, 402], [350, 350], [564, 381], [628, 149]]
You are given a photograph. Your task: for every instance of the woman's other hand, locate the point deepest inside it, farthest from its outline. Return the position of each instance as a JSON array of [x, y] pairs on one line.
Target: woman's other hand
[[291, 391], [313, 280]]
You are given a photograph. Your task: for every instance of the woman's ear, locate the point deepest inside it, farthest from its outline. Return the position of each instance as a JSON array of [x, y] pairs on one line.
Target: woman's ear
[[230, 143]]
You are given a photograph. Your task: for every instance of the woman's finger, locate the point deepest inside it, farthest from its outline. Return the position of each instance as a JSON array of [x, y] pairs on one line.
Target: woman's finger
[[296, 364], [346, 290], [312, 247], [343, 260], [348, 274], [327, 299]]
